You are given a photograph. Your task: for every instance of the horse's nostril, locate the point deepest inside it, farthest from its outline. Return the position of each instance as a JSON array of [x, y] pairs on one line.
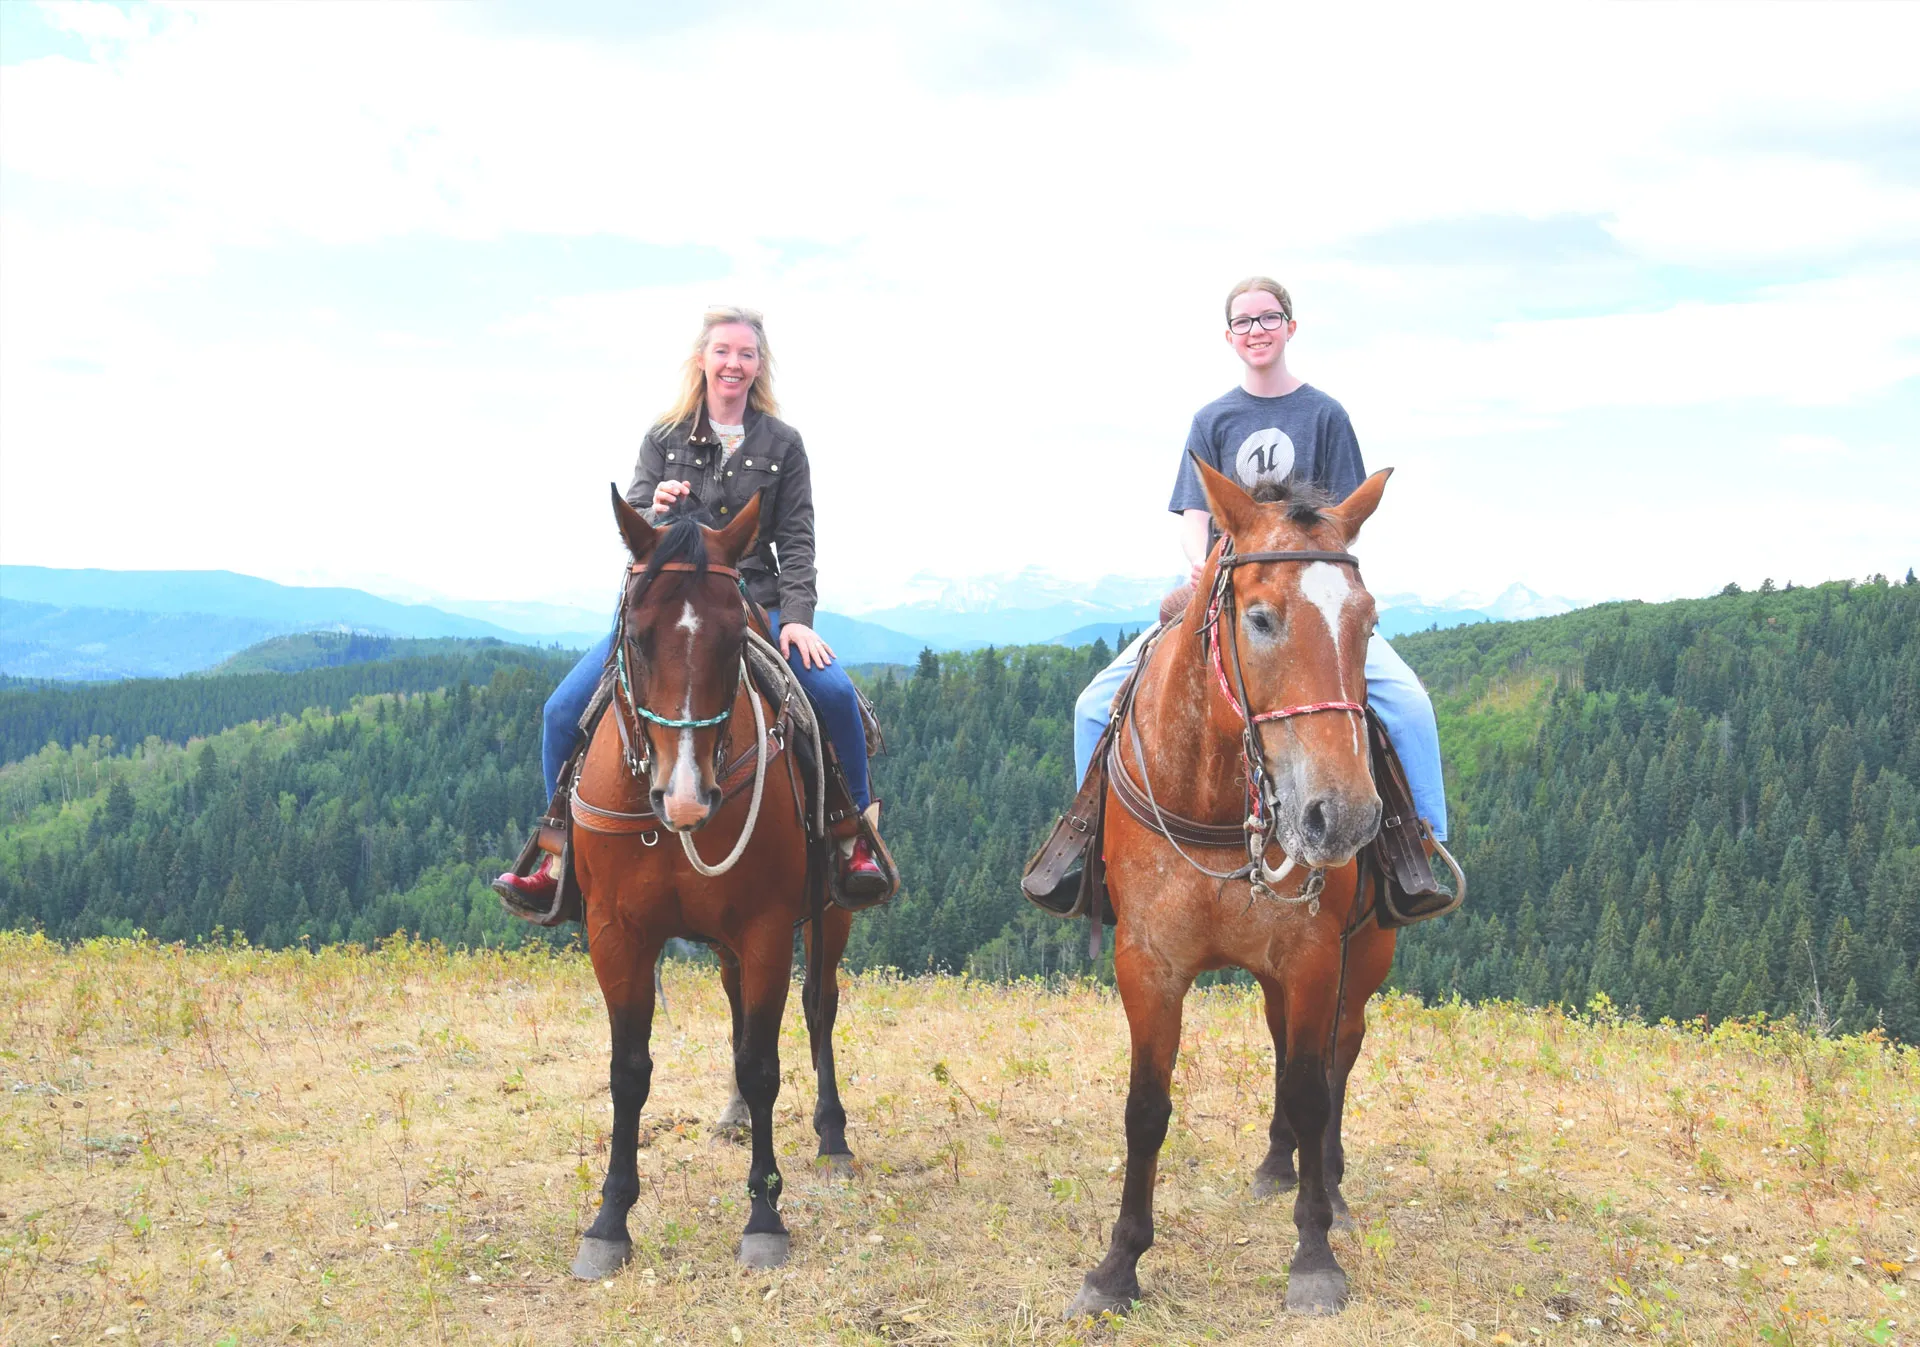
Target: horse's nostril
[[1315, 822]]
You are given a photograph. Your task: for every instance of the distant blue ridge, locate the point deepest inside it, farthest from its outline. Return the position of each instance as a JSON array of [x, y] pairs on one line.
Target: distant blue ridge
[[227, 594], [102, 624]]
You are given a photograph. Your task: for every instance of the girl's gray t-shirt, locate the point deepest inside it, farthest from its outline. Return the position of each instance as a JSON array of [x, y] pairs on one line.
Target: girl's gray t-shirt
[[1252, 440]]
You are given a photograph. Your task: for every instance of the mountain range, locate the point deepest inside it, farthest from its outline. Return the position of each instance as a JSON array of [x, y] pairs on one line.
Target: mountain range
[[101, 624]]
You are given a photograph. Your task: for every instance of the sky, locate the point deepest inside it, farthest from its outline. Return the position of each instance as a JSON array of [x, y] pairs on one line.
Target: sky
[[385, 295]]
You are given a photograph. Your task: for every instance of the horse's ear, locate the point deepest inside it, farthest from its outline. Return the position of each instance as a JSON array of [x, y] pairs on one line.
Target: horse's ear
[[733, 541], [639, 534], [1233, 509], [1357, 508]]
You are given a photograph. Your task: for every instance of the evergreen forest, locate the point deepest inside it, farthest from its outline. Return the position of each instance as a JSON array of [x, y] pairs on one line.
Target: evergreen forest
[[1702, 808]]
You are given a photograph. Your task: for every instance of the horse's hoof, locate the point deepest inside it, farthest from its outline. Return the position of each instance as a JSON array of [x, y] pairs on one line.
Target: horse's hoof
[[724, 1133], [599, 1259], [1343, 1222], [763, 1250], [1272, 1185], [834, 1168], [1092, 1300], [1321, 1292]]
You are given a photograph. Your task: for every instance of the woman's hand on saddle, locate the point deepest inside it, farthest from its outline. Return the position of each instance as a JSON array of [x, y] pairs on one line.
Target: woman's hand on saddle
[[814, 652], [665, 494]]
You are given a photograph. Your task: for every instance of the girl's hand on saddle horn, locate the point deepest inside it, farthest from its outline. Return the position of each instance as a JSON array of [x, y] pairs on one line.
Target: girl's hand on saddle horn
[[665, 494], [814, 652]]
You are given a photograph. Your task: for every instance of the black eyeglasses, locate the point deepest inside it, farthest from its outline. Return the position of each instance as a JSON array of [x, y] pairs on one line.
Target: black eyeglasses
[[1269, 320]]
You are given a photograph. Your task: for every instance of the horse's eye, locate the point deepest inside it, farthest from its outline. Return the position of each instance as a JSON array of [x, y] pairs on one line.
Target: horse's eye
[[1260, 622]]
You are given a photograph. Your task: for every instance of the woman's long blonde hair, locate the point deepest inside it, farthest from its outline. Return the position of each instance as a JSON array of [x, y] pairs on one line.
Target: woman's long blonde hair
[[693, 378]]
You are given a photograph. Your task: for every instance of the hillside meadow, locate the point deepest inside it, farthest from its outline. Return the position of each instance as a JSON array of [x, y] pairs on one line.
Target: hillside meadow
[[229, 1145]]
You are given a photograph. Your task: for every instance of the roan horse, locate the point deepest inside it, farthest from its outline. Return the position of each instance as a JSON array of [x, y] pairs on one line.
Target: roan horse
[[659, 757], [1252, 707]]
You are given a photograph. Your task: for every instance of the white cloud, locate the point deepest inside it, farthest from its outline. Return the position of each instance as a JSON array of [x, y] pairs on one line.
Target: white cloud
[[1011, 227]]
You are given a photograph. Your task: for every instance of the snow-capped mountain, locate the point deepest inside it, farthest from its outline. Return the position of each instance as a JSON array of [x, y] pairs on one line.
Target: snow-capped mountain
[[1402, 613], [1018, 606], [1513, 604], [1035, 604], [1033, 587]]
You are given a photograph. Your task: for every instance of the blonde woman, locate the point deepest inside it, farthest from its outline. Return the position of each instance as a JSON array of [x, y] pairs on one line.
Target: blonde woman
[[720, 442]]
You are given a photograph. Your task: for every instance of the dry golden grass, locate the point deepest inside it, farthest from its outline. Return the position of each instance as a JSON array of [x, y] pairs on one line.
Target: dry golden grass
[[236, 1146]]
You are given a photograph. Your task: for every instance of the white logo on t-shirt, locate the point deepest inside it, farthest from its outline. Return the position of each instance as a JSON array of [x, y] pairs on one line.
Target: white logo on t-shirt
[[1265, 454]]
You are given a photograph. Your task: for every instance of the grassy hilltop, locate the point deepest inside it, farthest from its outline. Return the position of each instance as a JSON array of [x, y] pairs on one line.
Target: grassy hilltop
[[233, 1145]]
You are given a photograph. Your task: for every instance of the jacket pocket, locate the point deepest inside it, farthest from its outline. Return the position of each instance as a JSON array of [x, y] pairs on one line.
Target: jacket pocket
[[741, 478]]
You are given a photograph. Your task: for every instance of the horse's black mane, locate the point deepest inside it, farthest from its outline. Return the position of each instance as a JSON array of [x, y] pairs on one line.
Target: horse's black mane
[[681, 539], [1305, 502]]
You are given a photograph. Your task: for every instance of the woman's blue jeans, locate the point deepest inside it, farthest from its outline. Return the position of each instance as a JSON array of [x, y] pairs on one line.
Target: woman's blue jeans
[[829, 689], [1393, 690]]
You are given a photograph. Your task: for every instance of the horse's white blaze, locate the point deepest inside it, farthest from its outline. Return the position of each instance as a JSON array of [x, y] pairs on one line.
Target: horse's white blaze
[[1326, 587], [685, 782], [689, 622]]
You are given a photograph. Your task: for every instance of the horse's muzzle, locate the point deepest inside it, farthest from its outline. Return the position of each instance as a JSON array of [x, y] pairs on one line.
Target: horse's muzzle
[[1331, 828], [684, 813]]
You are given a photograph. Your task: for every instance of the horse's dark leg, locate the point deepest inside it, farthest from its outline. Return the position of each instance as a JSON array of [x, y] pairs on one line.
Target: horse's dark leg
[[1353, 1031], [623, 961], [1370, 959], [823, 1005], [1153, 996], [767, 966], [1276, 1173], [1315, 1282], [733, 1123]]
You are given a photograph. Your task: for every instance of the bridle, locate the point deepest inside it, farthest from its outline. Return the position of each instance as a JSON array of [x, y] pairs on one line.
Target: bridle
[[642, 766], [1260, 823], [1222, 599]]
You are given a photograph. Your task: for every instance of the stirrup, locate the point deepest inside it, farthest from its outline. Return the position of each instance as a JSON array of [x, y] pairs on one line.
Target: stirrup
[[864, 827], [1398, 907], [549, 846]]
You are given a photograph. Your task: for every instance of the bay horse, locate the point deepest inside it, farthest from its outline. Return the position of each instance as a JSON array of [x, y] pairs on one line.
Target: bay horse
[[658, 763], [1251, 708]]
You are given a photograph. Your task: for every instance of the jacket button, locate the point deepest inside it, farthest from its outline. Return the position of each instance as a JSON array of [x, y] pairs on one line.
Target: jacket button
[[669, 458], [749, 463], [723, 509], [729, 472], [775, 467]]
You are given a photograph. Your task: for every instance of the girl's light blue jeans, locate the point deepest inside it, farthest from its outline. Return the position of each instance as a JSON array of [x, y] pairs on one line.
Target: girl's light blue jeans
[[1393, 690], [829, 689]]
